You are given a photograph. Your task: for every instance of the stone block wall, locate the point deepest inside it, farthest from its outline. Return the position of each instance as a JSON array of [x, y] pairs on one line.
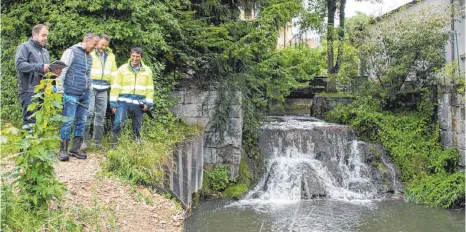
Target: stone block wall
[[321, 105], [451, 114], [197, 106], [291, 106]]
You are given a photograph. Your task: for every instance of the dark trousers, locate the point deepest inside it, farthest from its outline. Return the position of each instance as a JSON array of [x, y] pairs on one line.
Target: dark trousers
[[26, 100], [120, 116]]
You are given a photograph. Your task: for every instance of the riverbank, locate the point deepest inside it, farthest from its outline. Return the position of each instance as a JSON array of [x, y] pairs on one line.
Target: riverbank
[[95, 202], [124, 207]]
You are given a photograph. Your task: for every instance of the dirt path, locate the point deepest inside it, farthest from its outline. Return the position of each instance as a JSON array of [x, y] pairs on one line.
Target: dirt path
[[115, 205]]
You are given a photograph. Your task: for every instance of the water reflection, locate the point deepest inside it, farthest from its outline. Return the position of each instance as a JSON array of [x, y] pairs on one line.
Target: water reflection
[[323, 215]]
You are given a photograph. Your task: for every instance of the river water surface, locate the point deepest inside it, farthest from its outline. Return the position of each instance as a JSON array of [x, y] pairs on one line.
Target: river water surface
[[323, 215]]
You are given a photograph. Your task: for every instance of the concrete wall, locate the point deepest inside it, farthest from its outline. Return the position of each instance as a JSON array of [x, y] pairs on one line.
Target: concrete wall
[[451, 113], [197, 106], [184, 175]]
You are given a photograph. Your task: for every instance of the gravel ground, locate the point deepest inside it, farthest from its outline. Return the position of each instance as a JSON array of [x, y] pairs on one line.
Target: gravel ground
[[120, 207]]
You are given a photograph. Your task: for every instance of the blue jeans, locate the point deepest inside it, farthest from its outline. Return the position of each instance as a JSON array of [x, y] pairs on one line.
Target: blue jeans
[[75, 110], [120, 117], [97, 108]]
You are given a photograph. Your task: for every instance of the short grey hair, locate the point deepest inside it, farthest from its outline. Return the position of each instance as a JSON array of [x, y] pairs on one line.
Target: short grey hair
[[90, 36], [105, 37]]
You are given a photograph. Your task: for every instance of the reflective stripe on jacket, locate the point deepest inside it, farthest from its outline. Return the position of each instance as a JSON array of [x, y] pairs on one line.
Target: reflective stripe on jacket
[[132, 87], [103, 72]]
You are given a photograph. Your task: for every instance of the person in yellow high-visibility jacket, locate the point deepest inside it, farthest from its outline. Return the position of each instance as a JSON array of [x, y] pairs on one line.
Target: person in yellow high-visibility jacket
[[132, 92], [103, 72]]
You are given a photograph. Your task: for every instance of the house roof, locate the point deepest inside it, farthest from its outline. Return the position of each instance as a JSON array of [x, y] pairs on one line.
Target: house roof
[[407, 5]]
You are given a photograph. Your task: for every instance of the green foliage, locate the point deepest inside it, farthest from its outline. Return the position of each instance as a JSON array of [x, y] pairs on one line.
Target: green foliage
[[242, 183], [413, 141], [287, 69], [451, 74], [36, 177], [391, 51], [438, 190], [244, 176], [168, 40], [235, 190], [357, 28], [144, 163], [174, 200], [30, 192], [203, 40], [17, 215], [348, 67], [396, 51], [215, 180]]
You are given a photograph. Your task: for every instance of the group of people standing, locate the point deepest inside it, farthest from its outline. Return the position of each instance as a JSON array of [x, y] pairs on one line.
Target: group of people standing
[[87, 82]]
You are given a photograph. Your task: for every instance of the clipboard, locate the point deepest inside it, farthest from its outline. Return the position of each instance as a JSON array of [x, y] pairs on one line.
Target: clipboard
[[58, 64]]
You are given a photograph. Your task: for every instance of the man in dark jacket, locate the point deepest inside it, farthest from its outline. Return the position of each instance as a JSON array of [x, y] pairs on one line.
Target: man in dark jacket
[[32, 62], [75, 84]]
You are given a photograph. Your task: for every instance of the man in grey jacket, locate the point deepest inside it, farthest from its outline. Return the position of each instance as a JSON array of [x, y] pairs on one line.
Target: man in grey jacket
[[32, 62]]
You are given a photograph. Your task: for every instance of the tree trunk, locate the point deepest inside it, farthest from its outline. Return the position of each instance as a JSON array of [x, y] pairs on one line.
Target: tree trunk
[[334, 66], [331, 8], [341, 36]]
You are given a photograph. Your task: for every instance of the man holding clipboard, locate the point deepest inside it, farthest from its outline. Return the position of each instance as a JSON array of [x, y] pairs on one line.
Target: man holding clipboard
[[32, 62]]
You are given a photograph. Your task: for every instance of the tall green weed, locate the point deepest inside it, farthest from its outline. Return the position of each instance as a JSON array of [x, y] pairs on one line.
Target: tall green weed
[[145, 163]]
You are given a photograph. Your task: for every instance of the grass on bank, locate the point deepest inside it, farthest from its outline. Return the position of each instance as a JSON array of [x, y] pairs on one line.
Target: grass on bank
[[18, 215], [145, 163]]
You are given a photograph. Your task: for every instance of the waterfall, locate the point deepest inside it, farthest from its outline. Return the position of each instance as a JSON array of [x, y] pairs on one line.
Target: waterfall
[[307, 159], [397, 186]]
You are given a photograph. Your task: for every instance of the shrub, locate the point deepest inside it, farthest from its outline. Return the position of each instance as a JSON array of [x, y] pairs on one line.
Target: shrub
[[413, 141], [441, 189], [215, 179]]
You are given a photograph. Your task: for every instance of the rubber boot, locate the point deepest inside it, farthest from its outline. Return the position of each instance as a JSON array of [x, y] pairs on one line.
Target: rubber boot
[[76, 148], [98, 132], [87, 131], [114, 140], [63, 154]]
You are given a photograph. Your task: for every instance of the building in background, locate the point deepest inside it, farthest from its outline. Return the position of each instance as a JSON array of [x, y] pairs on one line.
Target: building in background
[[454, 49], [290, 35]]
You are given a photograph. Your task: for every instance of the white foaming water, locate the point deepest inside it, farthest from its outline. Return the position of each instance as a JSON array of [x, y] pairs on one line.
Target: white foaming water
[[295, 171], [396, 184]]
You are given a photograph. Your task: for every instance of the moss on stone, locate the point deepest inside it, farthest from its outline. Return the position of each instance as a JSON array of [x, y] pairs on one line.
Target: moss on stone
[[235, 190]]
